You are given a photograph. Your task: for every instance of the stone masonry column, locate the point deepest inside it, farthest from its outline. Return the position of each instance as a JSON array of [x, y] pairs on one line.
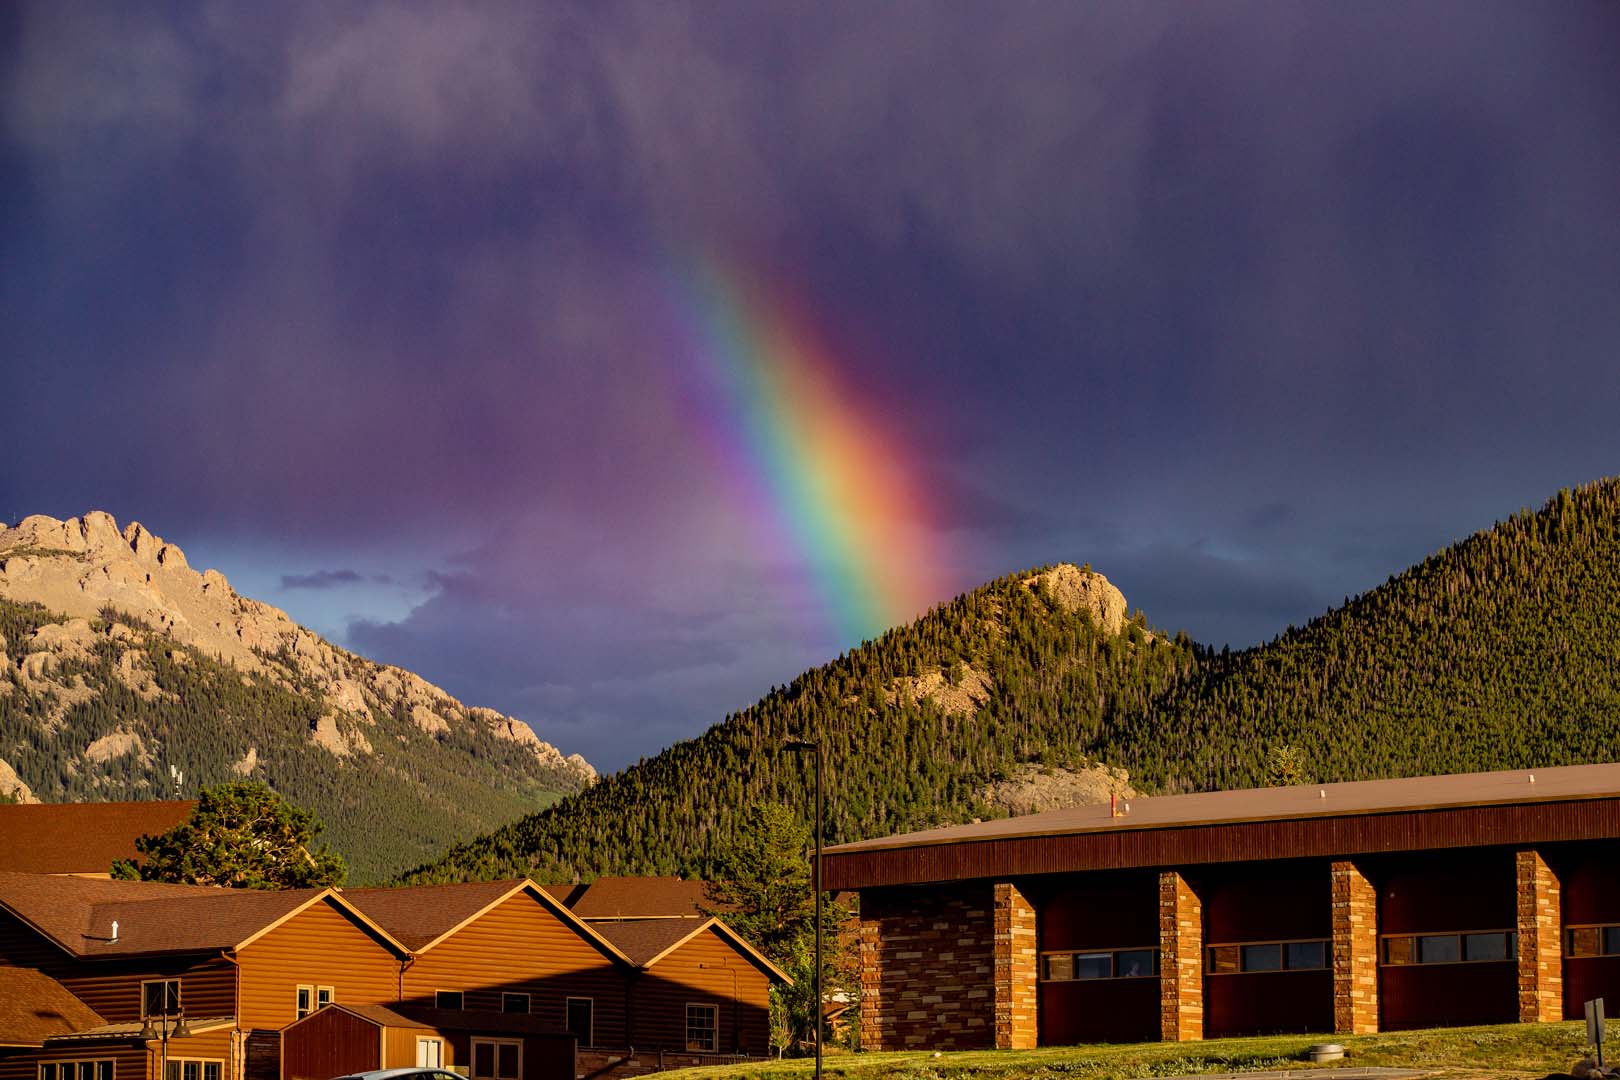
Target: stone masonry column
[[1015, 969], [1541, 928], [1181, 960], [1355, 951], [872, 1004]]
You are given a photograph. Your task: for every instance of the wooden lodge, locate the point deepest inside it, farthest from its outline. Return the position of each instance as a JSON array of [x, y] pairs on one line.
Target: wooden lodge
[[498, 980], [1352, 908]]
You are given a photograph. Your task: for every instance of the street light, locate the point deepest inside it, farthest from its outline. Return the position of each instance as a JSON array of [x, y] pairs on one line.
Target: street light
[[801, 746], [163, 1035]]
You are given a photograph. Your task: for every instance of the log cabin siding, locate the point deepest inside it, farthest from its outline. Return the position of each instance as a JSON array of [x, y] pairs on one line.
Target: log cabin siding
[[113, 987], [522, 947], [706, 970], [129, 1062], [321, 945], [23, 946]]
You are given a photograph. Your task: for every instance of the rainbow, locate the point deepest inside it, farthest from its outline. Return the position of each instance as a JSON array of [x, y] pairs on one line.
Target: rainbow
[[812, 453]]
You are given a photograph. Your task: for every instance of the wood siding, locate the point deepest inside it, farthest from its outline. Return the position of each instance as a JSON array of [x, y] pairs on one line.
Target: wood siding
[[705, 971], [330, 1043], [113, 987], [321, 945], [1414, 830], [522, 947], [129, 1062], [23, 946]]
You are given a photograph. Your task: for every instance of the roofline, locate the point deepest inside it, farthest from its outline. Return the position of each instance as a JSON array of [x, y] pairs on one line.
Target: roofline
[[26, 921], [1123, 824], [759, 959], [327, 893], [330, 1005], [546, 900]]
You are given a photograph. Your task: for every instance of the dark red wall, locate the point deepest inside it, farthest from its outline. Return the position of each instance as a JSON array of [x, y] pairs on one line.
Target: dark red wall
[[1435, 893], [1267, 902], [330, 1043], [1587, 875], [1097, 911], [1268, 1002]]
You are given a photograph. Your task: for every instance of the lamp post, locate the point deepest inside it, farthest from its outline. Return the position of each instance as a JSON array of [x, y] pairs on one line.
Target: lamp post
[[163, 1035], [800, 746]]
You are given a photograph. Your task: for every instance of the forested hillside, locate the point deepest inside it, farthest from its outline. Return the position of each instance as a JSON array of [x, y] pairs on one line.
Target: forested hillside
[[103, 739], [1501, 651]]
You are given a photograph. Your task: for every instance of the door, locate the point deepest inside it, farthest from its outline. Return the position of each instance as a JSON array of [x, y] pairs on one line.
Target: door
[[429, 1053], [497, 1059]]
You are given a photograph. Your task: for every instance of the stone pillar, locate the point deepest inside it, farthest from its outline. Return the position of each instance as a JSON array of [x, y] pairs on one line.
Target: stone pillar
[[1015, 966], [872, 1005], [1181, 960], [1541, 928], [1355, 951]]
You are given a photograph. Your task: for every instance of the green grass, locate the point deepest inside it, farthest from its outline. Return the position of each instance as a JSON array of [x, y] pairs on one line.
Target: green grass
[[1509, 1050]]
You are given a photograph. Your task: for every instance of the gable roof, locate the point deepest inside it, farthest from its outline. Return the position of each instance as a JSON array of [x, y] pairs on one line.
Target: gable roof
[[34, 1006], [77, 914], [80, 838], [640, 898], [380, 1015], [647, 941], [425, 915], [1360, 797]]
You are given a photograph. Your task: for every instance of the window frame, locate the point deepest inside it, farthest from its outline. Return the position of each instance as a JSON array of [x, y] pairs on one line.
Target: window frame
[[434, 1040], [1411, 947], [714, 1027], [475, 1042], [459, 1006], [590, 1019], [202, 1063], [1073, 957], [55, 1066], [512, 995], [179, 1001], [1237, 952]]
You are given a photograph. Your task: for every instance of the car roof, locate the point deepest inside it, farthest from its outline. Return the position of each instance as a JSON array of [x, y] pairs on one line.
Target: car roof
[[389, 1074]]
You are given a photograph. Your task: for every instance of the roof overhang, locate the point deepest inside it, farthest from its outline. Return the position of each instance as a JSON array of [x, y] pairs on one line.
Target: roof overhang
[[131, 1031]]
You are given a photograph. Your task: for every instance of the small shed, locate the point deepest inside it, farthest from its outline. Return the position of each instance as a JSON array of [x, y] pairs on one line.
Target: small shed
[[335, 1040]]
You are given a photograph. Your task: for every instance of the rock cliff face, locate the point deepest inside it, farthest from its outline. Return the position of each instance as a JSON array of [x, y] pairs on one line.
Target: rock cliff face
[[114, 595]]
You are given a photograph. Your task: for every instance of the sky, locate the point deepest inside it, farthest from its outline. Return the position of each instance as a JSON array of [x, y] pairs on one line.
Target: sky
[[608, 364]]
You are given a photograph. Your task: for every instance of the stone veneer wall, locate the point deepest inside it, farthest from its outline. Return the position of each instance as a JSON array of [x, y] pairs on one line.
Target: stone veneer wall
[[928, 968], [1181, 960], [1541, 960], [1016, 963], [1355, 951]]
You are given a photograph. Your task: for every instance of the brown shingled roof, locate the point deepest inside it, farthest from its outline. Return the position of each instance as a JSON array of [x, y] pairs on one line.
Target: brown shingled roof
[[640, 898], [1556, 784], [78, 913], [80, 838], [421, 914], [646, 941], [34, 1006]]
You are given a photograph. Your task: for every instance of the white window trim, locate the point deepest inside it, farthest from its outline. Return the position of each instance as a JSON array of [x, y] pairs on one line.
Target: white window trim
[[472, 1057], [425, 1040], [714, 1029], [528, 1000], [590, 1033], [459, 993], [56, 1066], [179, 998]]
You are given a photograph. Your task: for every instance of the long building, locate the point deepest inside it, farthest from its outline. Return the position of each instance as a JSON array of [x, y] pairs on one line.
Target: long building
[[1350, 908]]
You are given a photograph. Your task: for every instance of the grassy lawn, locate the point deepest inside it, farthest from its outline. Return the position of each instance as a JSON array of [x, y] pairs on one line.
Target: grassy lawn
[[1509, 1050]]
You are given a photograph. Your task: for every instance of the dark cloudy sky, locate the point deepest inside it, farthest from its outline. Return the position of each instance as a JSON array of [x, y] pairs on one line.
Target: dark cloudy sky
[[1250, 305]]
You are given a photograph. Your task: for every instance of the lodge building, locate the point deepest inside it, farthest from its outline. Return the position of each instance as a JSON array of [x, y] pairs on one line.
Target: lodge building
[[1351, 908], [500, 980]]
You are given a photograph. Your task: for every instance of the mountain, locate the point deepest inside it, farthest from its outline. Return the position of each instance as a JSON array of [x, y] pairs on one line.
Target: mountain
[[1498, 652], [120, 663]]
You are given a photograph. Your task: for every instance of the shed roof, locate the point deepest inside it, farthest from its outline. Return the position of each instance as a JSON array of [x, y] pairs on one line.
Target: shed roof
[[1360, 797], [80, 838], [34, 1006]]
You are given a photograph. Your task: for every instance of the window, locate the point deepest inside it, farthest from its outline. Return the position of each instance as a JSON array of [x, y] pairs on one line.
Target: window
[[497, 1059], [701, 1024], [1114, 964], [1268, 956], [160, 997], [579, 1020], [447, 999], [194, 1069], [1593, 941], [429, 1053], [514, 1003], [308, 997], [76, 1070], [1486, 946]]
